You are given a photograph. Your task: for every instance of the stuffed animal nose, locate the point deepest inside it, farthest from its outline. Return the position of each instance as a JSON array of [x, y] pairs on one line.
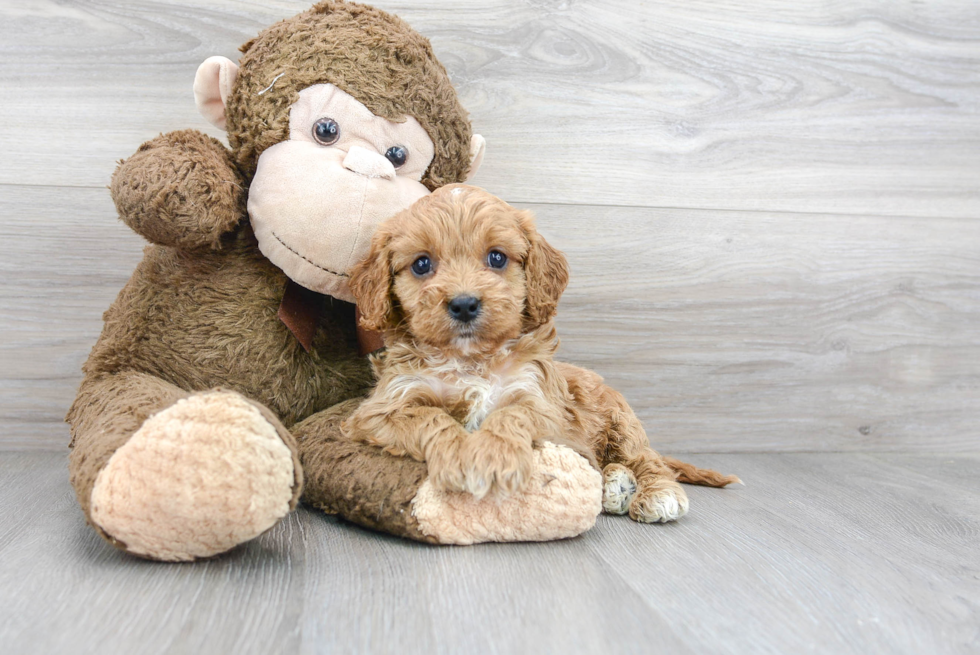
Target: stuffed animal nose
[[370, 164], [464, 308]]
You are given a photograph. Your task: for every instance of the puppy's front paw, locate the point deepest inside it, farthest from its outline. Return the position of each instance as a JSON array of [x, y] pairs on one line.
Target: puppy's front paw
[[445, 465], [491, 462], [660, 505]]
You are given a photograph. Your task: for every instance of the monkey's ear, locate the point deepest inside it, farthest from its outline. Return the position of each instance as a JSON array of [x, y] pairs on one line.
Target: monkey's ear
[[370, 283], [212, 87], [478, 146], [545, 275]]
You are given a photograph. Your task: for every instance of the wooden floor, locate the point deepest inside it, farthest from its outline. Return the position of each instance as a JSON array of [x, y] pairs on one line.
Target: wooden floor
[[772, 214], [827, 553]]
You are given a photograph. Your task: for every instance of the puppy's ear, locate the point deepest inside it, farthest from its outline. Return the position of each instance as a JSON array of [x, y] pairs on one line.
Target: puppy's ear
[[546, 276], [370, 283]]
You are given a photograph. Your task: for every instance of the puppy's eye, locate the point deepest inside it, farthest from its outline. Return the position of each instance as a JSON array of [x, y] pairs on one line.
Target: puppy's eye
[[496, 259], [397, 155], [422, 266], [326, 131]]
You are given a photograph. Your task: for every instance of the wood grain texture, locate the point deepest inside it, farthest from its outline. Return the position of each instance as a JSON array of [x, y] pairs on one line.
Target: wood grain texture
[[727, 331], [743, 331], [771, 213], [867, 107], [63, 258], [819, 553]]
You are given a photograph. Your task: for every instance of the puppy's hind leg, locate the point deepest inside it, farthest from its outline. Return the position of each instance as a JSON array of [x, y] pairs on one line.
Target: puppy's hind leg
[[618, 489], [658, 498]]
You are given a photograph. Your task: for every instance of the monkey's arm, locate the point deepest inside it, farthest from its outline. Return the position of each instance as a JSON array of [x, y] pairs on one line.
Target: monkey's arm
[[394, 494], [180, 189]]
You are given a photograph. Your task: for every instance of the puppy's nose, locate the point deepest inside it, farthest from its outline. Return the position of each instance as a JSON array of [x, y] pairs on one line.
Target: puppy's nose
[[464, 308]]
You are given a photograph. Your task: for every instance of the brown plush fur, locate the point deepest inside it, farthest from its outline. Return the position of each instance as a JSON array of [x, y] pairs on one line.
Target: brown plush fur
[[193, 320], [200, 311], [337, 483], [373, 56], [208, 318], [471, 398], [180, 189]]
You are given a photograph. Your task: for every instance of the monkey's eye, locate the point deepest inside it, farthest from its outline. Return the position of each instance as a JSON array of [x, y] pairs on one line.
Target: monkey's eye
[[422, 266], [496, 259], [397, 155], [326, 131]]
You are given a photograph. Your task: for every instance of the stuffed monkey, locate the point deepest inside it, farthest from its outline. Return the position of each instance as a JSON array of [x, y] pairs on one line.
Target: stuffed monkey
[[213, 397]]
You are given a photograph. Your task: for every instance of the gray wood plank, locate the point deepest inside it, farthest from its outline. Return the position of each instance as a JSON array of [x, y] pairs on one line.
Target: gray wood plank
[[866, 107], [63, 258], [739, 331], [727, 331], [824, 553], [818, 316], [834, 553]]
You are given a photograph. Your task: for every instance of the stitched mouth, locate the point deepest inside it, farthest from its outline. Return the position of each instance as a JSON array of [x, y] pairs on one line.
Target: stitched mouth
[[306, 259]]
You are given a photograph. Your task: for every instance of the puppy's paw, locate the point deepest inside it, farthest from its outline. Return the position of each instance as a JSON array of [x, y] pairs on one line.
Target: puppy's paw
[[562, 499], [491, 463], [618, 489], [659, 505], [445, 465]]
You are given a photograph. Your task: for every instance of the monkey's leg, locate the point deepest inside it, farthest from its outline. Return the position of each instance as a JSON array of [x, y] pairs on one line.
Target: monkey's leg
[[369, 487], [171, 475]]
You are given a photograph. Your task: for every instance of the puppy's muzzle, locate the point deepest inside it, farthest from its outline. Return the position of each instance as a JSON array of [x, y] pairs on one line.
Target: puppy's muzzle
[[464, 308]]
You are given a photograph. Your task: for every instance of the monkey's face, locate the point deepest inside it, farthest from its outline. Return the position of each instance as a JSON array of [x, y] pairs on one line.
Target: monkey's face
[[316, 198]]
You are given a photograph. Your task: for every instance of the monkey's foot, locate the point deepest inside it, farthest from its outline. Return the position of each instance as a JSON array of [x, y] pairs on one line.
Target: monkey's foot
[[197, 479]]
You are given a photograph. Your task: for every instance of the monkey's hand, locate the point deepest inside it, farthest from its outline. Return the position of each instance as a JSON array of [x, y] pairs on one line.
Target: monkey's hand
[[180, 189]]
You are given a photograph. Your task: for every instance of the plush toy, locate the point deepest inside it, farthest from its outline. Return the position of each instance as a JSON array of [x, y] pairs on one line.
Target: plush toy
[[214, 395]]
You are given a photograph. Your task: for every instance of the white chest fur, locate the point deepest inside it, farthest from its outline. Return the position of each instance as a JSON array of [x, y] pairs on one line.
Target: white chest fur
[[484, 394], [482, 391]]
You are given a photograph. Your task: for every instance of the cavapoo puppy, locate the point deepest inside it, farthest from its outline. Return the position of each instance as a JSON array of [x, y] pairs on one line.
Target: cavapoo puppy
[[465, 290]]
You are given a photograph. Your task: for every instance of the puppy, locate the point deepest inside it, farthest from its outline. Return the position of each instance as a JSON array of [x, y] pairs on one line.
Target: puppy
[[465, 291]]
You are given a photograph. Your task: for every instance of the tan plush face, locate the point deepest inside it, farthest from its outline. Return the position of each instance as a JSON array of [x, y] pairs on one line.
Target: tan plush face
[[317, 197]]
